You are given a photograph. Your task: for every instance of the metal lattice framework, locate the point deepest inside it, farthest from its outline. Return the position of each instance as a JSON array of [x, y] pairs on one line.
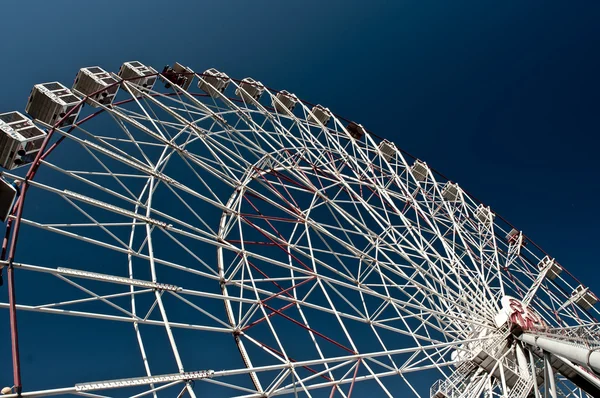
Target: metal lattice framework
[[332, 265]]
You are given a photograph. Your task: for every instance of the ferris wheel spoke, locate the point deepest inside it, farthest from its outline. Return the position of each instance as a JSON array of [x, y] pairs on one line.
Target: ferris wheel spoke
[[176, 184], [105, 298], [439, 269], [220, 120], [135, 113], [188, 109], [404, 312], [126, 251], [304, 326], [392, 283], [324, 374], [95, 222], [153, 131], [153, 390], [158, 295], [383, 325], [350, 317], [234, 144], [174, 97], [476, 247], [77, 176], [132, 140], [431, 263], [101, 316], [320, 134], [364, 283], [489, 256], [275, 238], [393, 271], [478, 282], [99, 173], [164, 127], [310, 332], [414, 333], [205, 226], [214, 168], [348, 380], [225, 152], [280, 134], [70, 195], [126, 161], [146, 286], [258, 131], [155, 127], [319, 158], [112, 150], [161, 306], [429, 204], [190, 252], [383, 346], [315, 341]]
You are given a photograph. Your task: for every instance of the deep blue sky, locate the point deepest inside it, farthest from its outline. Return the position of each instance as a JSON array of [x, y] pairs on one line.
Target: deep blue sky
[[501, 97]]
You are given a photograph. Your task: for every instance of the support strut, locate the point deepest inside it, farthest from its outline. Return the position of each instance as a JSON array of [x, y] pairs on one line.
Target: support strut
[[576, 363], [580, 355]]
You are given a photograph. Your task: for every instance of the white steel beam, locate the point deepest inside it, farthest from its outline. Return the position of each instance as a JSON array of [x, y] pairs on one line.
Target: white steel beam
[[580, 355]]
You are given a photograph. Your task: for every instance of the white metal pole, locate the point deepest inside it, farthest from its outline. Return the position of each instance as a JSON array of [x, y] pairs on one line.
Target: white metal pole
[[549, 382], [578, 354]]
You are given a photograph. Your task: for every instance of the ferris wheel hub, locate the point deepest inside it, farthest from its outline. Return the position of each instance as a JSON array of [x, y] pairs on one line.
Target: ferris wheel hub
[[519, 315]]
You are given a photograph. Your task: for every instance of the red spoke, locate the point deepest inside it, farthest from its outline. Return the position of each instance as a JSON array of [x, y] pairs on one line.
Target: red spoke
[[285, 291], [312, 330]]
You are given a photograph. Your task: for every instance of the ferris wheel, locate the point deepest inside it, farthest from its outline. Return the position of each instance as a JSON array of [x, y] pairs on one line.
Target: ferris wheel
[[233, 240]]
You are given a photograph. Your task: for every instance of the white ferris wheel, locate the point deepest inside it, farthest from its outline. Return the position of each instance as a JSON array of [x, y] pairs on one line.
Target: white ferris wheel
[[246, 243]]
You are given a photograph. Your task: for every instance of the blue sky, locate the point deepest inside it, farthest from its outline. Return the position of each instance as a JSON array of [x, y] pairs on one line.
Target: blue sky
[[501, 97]]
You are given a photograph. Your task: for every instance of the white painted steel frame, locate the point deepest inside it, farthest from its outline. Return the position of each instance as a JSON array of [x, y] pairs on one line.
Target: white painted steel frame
[[427, 271]]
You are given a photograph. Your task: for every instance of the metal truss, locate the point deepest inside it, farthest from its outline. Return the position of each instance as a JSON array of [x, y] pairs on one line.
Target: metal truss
[[333, 266]]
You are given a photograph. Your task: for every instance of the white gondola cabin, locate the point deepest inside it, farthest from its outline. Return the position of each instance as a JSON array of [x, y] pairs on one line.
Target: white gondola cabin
[[97, 84], [356, 131], [553, 268], [50, 102], [250, 90], [177, 74], [285, 102], [8, 194], [420, 170], [513, 236], [213, 82], [321, 114], [137, 73], [484, 215], [451, 192], [583, 297], [20, 140], [388, 150]]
